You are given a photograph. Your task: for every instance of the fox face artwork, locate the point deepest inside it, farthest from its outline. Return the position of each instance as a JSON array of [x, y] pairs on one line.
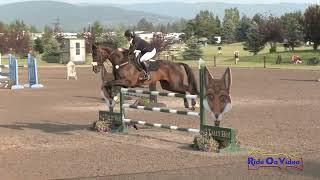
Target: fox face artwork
[[217, 100]]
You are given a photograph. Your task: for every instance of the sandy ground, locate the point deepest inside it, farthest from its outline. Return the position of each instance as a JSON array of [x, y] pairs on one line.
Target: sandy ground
[[44, 132]]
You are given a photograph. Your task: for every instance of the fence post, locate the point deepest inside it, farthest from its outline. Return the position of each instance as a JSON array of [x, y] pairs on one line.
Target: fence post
[[264, 62], [153, 98], [201, 95]]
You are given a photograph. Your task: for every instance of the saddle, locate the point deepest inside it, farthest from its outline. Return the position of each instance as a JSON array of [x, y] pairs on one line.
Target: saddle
[[153, 64]]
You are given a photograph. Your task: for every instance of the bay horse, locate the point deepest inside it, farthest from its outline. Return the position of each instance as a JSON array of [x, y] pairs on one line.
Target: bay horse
[[126, 74]]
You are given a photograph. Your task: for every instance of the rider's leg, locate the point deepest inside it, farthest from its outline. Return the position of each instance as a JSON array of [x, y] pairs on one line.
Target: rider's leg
[[144, 59], [148, 55]]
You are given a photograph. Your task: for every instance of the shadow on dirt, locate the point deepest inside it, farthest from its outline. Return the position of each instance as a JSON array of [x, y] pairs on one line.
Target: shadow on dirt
[[91, 98], [311, 169], [303, 80], [48, 127], [57, 78]]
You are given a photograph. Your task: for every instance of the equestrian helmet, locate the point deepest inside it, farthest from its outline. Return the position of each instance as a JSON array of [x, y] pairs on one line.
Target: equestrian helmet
[[128, 34]]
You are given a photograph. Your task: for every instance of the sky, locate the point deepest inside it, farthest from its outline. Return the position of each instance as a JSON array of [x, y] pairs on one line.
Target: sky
[[189, 1]]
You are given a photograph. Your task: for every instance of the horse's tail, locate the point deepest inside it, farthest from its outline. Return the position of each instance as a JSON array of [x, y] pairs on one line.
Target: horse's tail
[[192, 83]]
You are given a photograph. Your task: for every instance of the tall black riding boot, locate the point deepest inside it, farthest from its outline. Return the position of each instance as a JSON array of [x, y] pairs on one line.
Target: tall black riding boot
[[145, 67]]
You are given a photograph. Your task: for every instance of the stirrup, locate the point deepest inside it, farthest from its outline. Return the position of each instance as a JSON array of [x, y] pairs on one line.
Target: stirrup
[[145, 76]]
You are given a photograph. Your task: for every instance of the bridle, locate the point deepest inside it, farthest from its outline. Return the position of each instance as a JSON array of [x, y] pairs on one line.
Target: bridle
[[100, 63]]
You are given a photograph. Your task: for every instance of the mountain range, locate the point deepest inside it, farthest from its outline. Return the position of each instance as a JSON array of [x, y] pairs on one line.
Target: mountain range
[[74, 17], [189, 10]]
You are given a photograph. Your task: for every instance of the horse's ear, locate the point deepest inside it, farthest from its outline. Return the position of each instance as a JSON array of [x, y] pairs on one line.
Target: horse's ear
[[227, 78], [207, 77]]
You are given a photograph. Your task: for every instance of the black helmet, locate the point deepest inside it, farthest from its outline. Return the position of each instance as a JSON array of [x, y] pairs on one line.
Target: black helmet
[[128, 34]]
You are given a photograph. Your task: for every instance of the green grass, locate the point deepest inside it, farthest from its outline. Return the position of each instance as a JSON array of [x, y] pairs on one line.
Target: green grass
[[247, 59]]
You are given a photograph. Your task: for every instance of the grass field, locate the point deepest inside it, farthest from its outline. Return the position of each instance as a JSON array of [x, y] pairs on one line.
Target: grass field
[[247, 59]]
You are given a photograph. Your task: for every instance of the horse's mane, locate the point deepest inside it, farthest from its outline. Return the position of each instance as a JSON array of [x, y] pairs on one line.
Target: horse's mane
[[120, 52]]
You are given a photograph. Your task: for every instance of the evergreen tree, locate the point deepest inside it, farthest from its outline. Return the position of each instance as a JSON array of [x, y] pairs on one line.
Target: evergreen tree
[[230, 22], [293, 28], [119, 39], [144, 25], [38, 46], [205, 24], [254, 40], [51, 51], [242, 28], [312, 25], [193, 50]]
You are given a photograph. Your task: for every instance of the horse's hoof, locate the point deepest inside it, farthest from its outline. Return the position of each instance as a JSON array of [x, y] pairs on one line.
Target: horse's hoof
[[193, 108], [135, 126]]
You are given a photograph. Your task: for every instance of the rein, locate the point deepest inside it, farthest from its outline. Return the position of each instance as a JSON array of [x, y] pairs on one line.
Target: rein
[[100, 63], [123, 64]]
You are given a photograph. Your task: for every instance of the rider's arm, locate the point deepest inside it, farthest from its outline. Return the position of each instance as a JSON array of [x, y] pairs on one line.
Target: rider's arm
[[133, 45], [131, 49]]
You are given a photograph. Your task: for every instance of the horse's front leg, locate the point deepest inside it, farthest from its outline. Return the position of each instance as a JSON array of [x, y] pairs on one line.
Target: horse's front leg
[[108, 94]]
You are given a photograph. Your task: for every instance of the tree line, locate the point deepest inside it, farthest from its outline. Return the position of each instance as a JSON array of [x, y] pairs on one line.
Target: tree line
[[291, 29]]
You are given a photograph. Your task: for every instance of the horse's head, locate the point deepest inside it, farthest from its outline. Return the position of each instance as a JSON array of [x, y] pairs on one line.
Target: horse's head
[[100, 53], [217, 98], [97, 58]]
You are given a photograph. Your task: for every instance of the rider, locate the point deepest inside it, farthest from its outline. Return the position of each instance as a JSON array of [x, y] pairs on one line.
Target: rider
[[141, 49]]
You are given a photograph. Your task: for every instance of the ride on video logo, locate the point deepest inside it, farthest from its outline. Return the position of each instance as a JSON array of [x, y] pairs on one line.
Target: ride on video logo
[[257, 159]]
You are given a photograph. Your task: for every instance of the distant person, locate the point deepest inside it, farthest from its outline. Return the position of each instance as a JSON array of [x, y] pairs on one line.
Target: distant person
[[236, 56], [295, 59], [219, 50], [143, 50]]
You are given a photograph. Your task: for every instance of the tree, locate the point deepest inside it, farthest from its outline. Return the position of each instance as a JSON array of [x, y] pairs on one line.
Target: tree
[[116, 40], [193, 50], [293, 28], [58, 33], [205, 24], [17, 38], [120, 40], [243, 28], [255, 40], [38, 45], [96, 31], [272, 31], [258, 18], [190, 28], [161, 28], [51, 50], [144, 25], [47, 34], [230, 22], [3, 37], [33, 29], [159, 43], [312, 25], [2, 27]]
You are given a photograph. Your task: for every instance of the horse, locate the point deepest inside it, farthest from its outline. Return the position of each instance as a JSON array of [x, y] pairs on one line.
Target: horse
[[126, 74]]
